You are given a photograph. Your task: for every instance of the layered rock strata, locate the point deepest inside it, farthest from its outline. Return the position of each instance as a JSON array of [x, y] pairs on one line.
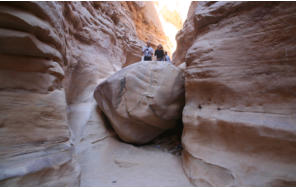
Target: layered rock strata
[[239, 117], [148, 25], [142, 100], [53, 55]]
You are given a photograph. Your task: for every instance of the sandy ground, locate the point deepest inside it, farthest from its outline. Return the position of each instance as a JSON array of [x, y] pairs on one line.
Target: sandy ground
[[106, 161]]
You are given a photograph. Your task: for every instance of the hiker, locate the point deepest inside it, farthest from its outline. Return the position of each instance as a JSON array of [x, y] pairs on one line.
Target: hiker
[[147, 52], [159, 53], [167, 57]]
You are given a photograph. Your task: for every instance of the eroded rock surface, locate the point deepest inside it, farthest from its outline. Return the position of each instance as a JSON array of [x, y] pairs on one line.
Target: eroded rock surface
[[53, 55], [148, 25], [142, 100], [239, 117]]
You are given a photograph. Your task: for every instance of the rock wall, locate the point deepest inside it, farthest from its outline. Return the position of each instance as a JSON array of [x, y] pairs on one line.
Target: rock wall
[[148, 25], [53, 55], [240, 116], [185, 37]]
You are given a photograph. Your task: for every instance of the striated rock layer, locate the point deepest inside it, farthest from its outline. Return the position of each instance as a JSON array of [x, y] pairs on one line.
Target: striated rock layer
[[53, 55], [148, 25], [240, 116], [142, 100]]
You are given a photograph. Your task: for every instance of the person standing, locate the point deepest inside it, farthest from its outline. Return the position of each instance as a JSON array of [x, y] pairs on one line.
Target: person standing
[[159, 53], [147, 52], [167, 57]]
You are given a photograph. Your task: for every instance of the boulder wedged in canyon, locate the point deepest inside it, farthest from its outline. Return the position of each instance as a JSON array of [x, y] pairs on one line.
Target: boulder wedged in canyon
[[53, 55], [142, 100], [239, 117]]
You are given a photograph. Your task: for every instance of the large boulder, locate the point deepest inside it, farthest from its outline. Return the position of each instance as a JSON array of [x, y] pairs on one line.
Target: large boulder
[[142, 100]]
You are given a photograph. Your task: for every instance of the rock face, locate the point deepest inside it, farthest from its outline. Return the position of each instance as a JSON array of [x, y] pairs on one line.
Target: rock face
[[53, 55], [239, 117], [186, 36], [148, 25], [142, 100]]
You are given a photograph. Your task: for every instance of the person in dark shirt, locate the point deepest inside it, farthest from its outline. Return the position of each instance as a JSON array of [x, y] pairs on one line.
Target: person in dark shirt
[[159, 53]]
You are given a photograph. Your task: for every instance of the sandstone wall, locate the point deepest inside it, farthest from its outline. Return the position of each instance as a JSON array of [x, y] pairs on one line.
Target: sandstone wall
[[53, 55], [147, 24], [239, 117]]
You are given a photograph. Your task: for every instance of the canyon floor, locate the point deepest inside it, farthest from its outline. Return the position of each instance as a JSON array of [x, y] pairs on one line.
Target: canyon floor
[[105, 160]]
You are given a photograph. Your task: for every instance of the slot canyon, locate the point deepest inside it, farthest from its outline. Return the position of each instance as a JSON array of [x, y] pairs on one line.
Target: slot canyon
[[79, 106]]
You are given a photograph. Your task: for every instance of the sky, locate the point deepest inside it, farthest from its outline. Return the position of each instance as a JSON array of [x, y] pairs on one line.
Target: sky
[[181, 7]]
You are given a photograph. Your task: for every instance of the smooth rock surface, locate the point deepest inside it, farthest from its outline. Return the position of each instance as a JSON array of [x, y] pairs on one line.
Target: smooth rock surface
[[240, 116], [142, 100]]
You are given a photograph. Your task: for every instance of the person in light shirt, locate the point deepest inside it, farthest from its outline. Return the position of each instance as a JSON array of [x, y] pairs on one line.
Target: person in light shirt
[[147, 52], [167, 57]]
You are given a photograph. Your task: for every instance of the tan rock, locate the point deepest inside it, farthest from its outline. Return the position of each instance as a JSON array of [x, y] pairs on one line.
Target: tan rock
[[142, 100], [185, 37], [53, 55], [148, 25], [239, 117], [31, 144]]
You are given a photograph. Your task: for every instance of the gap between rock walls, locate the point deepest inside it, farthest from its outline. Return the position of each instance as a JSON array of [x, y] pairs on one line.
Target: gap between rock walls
[[134, 122], [62, 61], [98, 145]]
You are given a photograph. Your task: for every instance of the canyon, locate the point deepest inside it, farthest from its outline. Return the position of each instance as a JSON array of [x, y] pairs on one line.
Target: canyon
[[226, 108]]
